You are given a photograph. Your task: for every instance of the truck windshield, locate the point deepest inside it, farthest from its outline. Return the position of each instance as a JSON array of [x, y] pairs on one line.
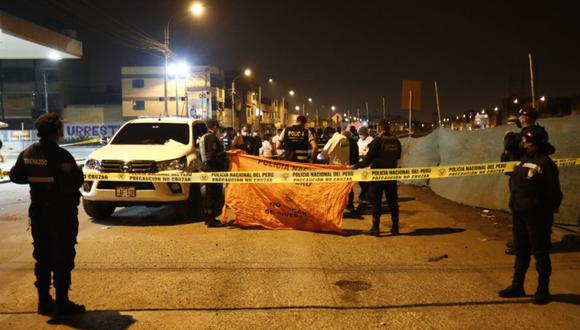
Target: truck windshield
[[152, 133]]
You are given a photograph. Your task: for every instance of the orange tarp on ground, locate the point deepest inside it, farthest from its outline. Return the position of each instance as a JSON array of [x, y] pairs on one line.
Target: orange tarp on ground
[[304, 206]]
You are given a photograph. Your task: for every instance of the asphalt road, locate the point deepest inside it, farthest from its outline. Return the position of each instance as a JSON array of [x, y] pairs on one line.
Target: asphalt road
[[146, 269]]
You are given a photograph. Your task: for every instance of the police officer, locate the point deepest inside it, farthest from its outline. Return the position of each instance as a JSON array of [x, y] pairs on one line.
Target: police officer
[[513, 148], [384, 152], [228, 138], [295, 141], [535, 196], [54, 180], [213, 157]]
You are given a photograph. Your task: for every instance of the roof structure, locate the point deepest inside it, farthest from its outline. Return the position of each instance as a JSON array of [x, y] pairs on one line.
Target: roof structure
[[21, 39]]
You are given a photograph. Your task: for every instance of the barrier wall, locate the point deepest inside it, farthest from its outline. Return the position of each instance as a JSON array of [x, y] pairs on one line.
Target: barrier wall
[[447, 147]]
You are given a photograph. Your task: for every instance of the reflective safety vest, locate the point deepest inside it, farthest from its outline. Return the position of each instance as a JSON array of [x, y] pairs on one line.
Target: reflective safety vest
[[295, 144]]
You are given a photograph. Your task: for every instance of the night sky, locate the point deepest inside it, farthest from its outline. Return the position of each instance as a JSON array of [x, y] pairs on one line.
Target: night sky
[[348, 52]]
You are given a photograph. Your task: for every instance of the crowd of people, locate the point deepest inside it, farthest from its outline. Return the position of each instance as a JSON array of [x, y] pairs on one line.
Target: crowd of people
[[55, 179]]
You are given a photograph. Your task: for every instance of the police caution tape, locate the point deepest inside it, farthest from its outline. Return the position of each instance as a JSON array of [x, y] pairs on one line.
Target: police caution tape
[[318, 176]]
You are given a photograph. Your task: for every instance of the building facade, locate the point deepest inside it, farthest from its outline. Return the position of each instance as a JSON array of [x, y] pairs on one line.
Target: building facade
[[197, 92]]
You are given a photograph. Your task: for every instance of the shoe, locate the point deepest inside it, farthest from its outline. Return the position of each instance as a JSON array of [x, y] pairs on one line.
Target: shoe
[[67, 308], [541, 297], [45, 307], [512, 292], [214, 223], [353, 215], [351, 208], [374, 231]]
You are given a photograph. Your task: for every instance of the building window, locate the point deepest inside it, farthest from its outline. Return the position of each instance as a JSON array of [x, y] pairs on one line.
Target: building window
[[138, 105], [138, 83]]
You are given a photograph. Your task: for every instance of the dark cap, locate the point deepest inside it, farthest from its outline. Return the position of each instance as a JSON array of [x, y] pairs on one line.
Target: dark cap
[[301, 119], [48, 124], [535, 135], [528, 112]]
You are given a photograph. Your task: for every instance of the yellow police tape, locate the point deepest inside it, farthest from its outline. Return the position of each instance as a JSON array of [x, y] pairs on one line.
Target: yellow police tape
[[318, 176]]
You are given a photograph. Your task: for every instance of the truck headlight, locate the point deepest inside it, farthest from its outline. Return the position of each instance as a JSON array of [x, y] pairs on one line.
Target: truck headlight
[[178, 164], [93, 164]]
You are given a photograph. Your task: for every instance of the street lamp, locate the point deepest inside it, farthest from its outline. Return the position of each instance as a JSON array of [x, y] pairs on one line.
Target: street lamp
[[181, 69], [297, 108], [247, 73], [543, 98], [291, 92], [196, 10]]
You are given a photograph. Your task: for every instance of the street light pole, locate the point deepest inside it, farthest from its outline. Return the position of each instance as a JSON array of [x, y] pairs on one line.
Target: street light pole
[[165, 56]]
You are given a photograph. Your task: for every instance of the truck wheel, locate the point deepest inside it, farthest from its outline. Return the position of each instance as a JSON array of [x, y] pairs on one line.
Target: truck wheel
[[192, 207], [98, 211]]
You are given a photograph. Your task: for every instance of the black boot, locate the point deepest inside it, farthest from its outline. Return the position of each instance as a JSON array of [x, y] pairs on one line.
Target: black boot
[[213, 223], [374, 231], [63, 306], [516, 289], [544, 268], [395, 227], [45, 302]]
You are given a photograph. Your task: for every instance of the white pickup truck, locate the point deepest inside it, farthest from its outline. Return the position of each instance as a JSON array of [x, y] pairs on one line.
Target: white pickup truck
[[146, 145]]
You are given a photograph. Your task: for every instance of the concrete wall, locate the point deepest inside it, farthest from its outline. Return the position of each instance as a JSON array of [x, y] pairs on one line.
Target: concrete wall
[[446, 147]]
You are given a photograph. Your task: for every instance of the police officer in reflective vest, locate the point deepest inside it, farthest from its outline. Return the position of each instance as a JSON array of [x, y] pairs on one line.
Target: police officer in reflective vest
[[295, 141], [54, 180], [384, 152], [534, 197]]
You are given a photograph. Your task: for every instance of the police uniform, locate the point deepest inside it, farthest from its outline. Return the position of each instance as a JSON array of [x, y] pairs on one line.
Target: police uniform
[[534, 196], [228, 141], [295, 141], [384, 152], [213, 157], [54, 180]]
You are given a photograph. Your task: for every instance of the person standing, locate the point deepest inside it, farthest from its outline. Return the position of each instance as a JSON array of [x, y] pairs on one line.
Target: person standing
[[268, 149], [513, 147], [363, 148], [352, 159], [247, 142], [54, 180], [336, 150], [213, 158], [534, 197], [384, 152], [228, 138], [275, 140], [1, 156], [295, 141]]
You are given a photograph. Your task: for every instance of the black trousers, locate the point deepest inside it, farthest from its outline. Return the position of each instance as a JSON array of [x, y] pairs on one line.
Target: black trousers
[[214, 200], [389, 188], [531, 236], [54, 234], [364, 189]]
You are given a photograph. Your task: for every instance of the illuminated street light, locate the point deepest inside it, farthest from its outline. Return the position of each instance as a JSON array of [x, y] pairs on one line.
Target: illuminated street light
[[543, 98], [516, 101], [248, 73], [333, 108], [482, 110], [495, 109], [456, 117], [270, 80], [310, 99], [297, 108], [291, 92], [197, 9]]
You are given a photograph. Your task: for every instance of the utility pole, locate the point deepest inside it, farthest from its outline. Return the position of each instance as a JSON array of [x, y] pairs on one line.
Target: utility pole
[[165, 56], [368, 118], [45, 91], [437, 101], [410, 107], [532, 81], [384, 109]]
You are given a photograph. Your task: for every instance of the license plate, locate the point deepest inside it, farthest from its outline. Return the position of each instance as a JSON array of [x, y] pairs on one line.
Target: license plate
[[125, 192]]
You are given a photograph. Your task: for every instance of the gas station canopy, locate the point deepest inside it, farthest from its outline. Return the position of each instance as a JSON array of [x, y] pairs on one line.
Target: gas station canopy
[[21, 39]]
